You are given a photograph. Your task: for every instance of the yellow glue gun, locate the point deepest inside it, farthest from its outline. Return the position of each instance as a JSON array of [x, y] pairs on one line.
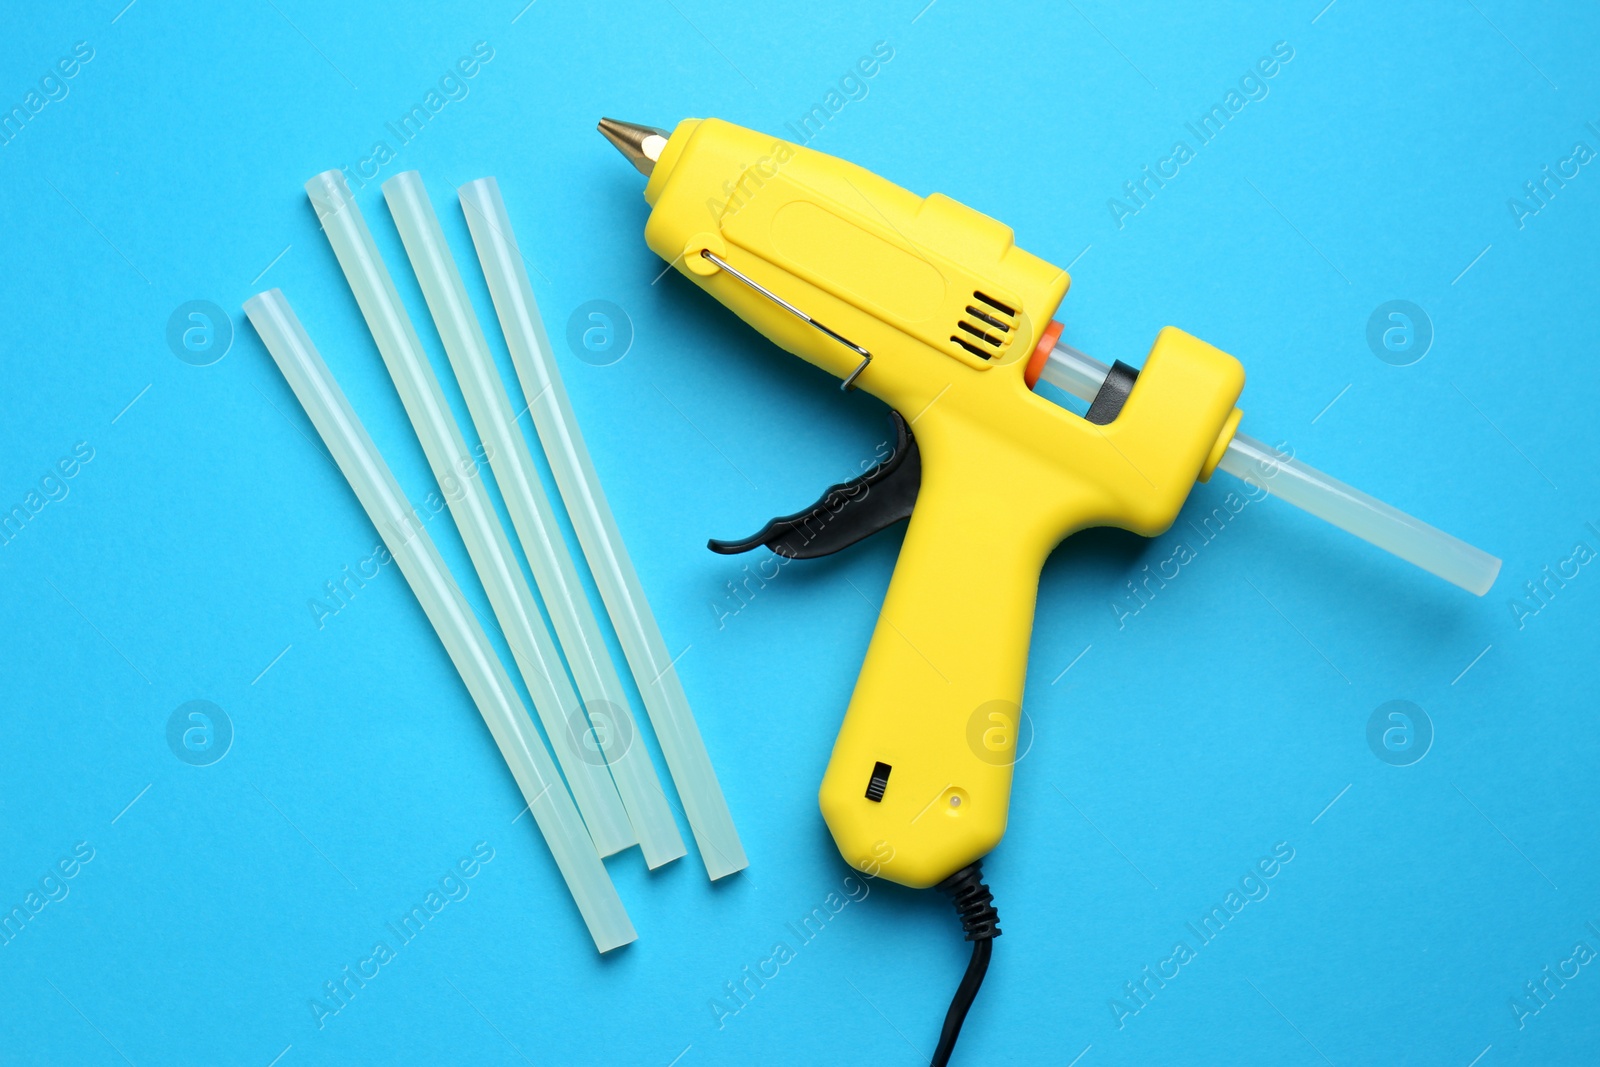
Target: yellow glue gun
[[931, 307]]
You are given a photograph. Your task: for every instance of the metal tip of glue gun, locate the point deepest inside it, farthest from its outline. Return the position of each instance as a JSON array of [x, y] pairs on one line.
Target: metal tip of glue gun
[[641, 144]]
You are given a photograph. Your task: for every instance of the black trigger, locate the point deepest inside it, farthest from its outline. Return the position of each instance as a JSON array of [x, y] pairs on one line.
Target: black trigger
[[847, 512]]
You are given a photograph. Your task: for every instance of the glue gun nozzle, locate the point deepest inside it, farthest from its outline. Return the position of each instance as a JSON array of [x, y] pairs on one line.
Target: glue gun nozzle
[[641, 144]]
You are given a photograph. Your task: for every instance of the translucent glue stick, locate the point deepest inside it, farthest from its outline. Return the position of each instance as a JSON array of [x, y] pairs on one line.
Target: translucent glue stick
[[1307, 488], [616, 737], [652, 666], [460, 479], [452, 618]]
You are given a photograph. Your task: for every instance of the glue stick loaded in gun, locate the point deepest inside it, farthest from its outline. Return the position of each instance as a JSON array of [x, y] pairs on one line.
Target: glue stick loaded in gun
[[930, 306]]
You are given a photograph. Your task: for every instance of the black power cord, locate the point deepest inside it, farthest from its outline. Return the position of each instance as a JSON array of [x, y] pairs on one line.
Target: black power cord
[[975, 905]]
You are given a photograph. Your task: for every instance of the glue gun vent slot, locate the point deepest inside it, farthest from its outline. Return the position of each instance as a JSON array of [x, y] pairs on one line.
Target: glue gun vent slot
[[974, 349], [980, 334], [981, 316], [987, 328], [1008, 312], [879, 782]]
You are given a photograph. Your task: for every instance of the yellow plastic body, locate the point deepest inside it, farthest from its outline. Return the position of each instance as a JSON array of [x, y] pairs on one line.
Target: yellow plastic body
[[1006, 474]]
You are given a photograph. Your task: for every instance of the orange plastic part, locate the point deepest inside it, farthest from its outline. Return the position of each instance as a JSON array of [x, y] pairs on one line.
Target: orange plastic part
[[1041, 353]]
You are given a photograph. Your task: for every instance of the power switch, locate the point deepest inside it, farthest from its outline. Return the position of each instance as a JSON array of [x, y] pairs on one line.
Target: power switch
[[879, 782]]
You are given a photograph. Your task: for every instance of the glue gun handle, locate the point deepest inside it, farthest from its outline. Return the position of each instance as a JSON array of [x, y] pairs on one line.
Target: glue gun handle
[[936, 710]]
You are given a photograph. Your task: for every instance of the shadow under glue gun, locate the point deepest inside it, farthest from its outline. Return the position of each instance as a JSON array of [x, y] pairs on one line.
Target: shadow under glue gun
[[931, 307]]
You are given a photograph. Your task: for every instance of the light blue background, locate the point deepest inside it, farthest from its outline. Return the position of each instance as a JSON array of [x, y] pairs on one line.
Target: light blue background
[[1221, 720]]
